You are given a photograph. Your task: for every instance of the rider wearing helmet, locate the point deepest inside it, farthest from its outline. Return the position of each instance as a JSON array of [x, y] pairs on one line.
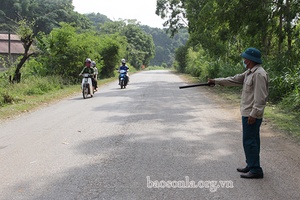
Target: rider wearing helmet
[[124, 67], [89, 70]]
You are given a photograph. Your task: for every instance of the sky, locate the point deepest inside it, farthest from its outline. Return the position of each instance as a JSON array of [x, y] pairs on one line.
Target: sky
[[141, 10]]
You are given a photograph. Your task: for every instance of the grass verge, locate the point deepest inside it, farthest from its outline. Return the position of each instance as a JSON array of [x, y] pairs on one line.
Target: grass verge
[[29, 103], [21, 103]]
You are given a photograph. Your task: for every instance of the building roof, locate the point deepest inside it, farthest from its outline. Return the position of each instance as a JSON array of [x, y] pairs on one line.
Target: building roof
[[16, 46]]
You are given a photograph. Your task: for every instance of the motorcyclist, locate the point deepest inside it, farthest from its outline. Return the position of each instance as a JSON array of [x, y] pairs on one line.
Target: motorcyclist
[[95, 74], [124, 67], [89, 70]]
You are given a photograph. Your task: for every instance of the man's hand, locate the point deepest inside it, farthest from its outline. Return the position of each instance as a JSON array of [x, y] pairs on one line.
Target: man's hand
[[251, 120]]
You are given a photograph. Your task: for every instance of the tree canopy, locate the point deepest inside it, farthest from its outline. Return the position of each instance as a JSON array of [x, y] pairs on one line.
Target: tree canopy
[[46, 14], [218, 25], [219, 30]]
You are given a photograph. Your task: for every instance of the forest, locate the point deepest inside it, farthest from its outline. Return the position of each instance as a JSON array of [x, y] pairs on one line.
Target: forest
[[220, 30]]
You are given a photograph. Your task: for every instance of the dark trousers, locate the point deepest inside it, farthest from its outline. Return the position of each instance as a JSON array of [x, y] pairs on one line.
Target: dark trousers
[[94, 82], [251, 144]]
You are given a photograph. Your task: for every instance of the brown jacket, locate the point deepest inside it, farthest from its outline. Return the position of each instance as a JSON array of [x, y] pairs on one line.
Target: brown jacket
[[255, 90]]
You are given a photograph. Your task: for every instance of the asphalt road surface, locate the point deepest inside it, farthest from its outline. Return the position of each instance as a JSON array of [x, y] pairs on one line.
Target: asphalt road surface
[[148, 141]]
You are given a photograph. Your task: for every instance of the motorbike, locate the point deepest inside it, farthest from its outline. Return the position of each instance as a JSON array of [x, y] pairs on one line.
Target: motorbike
[[123, 78], [87, 86]]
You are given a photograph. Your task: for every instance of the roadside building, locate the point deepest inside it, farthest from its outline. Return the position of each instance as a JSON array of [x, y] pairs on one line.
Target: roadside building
[[11, 48]]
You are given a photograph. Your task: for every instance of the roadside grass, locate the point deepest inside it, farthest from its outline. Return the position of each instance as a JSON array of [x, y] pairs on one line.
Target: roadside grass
[[280, 120], [17, 99], [28, 103], [285, 121]]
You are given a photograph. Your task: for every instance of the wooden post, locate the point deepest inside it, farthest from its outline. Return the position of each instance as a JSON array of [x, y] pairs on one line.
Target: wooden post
[[9, 46]]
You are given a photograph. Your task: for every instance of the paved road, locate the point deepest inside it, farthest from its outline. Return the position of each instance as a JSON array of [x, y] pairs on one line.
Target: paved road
[[149, 141]]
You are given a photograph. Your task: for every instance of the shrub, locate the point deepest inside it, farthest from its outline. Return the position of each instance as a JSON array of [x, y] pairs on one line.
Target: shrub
[[41, 85], [291, 102], [283, 84]]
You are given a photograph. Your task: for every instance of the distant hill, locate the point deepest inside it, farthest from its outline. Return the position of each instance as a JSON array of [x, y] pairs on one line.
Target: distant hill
[[98, 18], [164, 45]]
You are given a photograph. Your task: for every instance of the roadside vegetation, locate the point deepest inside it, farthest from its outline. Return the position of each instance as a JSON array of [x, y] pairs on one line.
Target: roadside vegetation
[[34, 92], [215, 44]]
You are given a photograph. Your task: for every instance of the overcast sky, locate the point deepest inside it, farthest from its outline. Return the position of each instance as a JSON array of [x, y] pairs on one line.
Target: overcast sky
[[141, 10]]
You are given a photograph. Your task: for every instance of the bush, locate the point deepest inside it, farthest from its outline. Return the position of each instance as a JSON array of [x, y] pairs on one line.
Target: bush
[[29, 86], [283, 84], [64, 51], [181, 59], [199, 64], [291, 102], [164, 65], [5, 99], [41, 85]]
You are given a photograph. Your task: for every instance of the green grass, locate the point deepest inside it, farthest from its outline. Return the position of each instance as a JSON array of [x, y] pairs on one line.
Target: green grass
[[287, 122], [27, 103], [35, 92]]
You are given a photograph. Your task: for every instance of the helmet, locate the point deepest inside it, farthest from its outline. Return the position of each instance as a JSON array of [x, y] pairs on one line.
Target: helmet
[[88, 60], [93, 63], [123, 60], [252, 54]]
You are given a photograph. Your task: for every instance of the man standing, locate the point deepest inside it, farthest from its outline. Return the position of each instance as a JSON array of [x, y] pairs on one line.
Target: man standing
[[254, 97]]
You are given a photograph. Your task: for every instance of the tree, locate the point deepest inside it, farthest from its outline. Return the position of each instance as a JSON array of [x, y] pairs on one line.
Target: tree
[[29, 17], [223, 26], [45, 13], [98, 20], [112, 48], [181, 58], [112, 27], [175, 12], [25, 32], [65, 49], [165, 45], [140, 47]]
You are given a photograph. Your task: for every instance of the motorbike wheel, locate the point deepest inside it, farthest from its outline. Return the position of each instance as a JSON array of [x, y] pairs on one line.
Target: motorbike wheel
[[85, 91], [122, 84]]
